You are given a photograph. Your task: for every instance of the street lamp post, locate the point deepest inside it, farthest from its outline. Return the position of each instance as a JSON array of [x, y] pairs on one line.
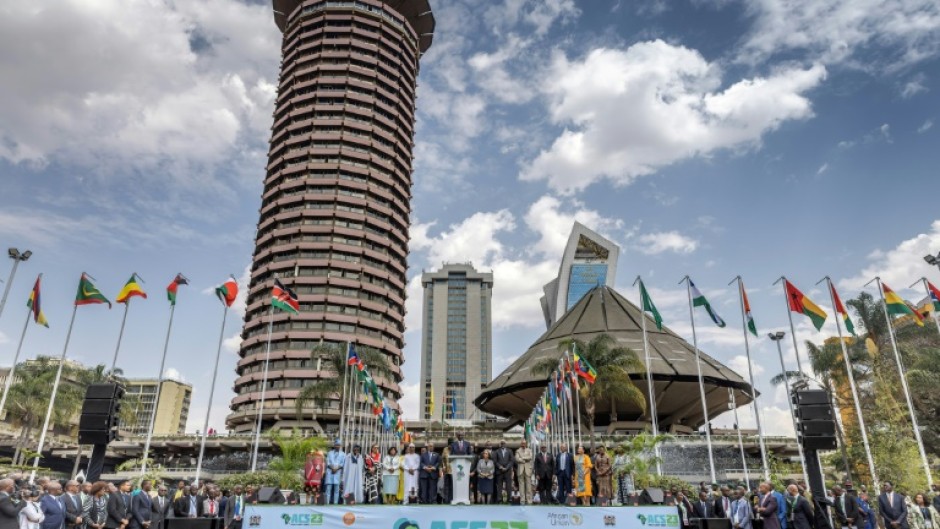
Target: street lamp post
[[17, 257]]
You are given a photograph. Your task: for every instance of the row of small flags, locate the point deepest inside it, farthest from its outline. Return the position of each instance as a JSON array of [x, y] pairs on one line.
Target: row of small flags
[[559, 390], [389, 418], [801, 304]]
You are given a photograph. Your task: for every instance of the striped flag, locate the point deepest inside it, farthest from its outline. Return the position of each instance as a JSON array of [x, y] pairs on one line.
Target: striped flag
[[34, 304], [934, 296], [698, 300], [173, 287], [840, 309], [131, 289], [801, 304], [227, 291], [747, 311], [284, 298], [897, 306]]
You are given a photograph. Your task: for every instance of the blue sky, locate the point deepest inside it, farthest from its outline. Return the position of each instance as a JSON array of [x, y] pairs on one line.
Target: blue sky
[[707, 138]]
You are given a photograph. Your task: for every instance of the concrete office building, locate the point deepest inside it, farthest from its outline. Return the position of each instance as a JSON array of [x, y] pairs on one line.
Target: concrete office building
[[456, 341], [335, 208], [589, 260], [172, 410]]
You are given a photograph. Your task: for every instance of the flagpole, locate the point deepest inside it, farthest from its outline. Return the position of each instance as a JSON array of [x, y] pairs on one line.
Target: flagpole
[[215, 372], [264, 386], [750, 372], [16, 358], [737, 426], [851, 376], [796, 349], [127, 306], [903, 377], [701, 381], [342, 403], [936, 314], [786, 382], [55, 389], [153, 413], [577, 393], [649, 383]]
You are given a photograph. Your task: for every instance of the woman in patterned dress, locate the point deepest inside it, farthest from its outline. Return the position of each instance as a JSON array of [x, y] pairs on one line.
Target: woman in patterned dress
[[373, 474], [582, 476], [95, 508]]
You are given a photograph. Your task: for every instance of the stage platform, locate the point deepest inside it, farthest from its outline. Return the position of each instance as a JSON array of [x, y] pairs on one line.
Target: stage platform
[[458, 517]]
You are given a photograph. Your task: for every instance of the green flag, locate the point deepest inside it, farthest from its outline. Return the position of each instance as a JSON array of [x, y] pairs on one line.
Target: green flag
[[649, 307], [88, 293]]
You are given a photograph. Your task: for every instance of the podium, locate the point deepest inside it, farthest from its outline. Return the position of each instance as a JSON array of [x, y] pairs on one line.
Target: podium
[[460, 468]]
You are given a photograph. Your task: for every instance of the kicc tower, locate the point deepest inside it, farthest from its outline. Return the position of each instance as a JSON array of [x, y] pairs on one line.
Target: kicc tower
[[335, 208]]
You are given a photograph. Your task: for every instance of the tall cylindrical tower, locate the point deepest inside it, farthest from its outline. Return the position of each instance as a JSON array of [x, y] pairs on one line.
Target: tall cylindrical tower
[[335, 209]]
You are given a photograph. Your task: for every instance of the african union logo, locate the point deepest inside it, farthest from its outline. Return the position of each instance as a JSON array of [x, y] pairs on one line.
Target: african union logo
[[659, 520], [405, 523], [254, 521], [349, 519]]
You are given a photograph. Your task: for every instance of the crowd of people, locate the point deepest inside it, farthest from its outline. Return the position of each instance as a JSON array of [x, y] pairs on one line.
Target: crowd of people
[[795, 508], [50, 504], [425, 476]]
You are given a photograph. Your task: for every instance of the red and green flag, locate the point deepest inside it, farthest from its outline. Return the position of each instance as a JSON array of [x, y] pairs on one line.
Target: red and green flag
[[34, 304], [584, 369], [174, 285], [284, 298], [751, 326], [131, 289], [840, 310], [801, 304], [934, 296], [227, 291], [88, 293], [897, 306]]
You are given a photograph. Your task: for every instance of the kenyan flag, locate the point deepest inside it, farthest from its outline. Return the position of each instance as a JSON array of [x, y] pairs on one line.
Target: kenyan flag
[[284, 298]]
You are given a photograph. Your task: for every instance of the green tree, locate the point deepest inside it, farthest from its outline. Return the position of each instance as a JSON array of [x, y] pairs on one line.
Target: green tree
[[293, 454], [28, 400], [333, 357], [639, 459], [614, 365]]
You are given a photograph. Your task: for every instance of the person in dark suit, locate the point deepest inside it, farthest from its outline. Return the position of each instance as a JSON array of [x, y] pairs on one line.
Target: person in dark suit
[[51, 505], [564, 468], [460, 447], [119, 507], [141, 507], [703, 507], [187, 505], [235, 509], [160, 508], [544, 469], [430, 470], [723, 503], [799, 511], [9, 511], [845, 508], [685, 509], [936, 496], [72, 502], [505, 462], [892, 507], [767, 507]]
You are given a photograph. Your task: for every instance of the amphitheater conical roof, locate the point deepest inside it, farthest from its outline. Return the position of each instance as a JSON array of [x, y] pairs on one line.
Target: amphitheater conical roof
[[675, 377]]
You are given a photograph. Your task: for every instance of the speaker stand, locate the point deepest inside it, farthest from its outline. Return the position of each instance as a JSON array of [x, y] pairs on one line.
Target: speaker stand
[[96, 463]]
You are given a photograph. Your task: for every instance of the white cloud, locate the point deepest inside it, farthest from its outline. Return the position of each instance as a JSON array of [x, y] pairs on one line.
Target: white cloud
[[822, 169], [901, 265], [917, 85], [667, 241], [553, 225], [473, 239], [885, 131], [739, 364], [775, 420], [174, 374], [114, 85], [629, 112], [409, 401], [927, 125], [837, 30]]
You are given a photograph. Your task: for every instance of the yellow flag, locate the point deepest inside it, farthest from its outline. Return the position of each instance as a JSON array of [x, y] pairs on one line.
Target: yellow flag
[[431, 403]]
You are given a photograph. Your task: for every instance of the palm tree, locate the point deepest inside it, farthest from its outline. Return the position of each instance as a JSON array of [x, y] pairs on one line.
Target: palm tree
[[333, 357], [29, 395], [614, 365], [294, 449]]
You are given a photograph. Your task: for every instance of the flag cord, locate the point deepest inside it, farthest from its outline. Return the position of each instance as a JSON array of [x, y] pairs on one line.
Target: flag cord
[[701, 383], [750, 372], [16, 358], [156, 403], [264, 387], [215, 372], [55, 389]]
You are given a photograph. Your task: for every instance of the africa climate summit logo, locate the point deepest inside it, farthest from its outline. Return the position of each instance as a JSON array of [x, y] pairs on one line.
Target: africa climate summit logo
[[405, 523], [659, 520]]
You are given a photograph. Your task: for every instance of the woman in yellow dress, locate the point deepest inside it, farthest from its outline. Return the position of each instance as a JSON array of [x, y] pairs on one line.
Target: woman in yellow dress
[[582, 476]]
